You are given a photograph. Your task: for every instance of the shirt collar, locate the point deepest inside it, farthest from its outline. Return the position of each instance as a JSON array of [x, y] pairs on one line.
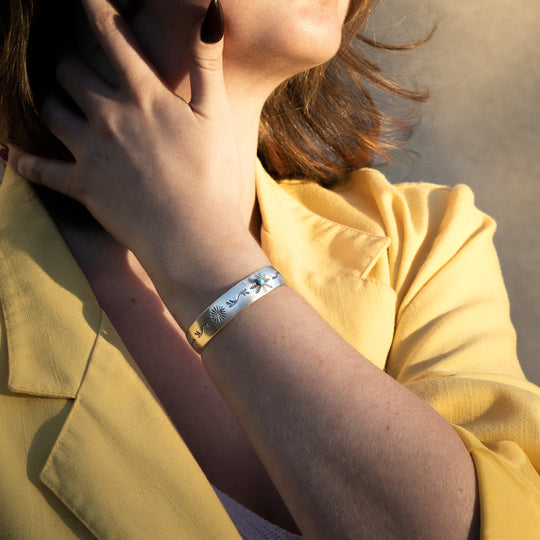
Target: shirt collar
[[316, 228], [50, 314], [325, 246]]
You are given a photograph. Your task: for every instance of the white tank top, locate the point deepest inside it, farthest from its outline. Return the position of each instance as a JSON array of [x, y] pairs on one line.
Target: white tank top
[[250, 525]]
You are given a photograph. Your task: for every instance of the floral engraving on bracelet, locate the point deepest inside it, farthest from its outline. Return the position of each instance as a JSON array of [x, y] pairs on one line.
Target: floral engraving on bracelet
[[243, 292], [260, 281]]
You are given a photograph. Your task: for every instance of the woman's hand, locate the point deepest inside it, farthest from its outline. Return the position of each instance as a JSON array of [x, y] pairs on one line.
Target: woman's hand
[[160, 174]]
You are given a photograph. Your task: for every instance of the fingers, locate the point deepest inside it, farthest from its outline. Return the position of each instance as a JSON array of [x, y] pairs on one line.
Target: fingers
[[65, 124], [82, 84], [208, 93], [118, 42], [206, 66], [53, 174]]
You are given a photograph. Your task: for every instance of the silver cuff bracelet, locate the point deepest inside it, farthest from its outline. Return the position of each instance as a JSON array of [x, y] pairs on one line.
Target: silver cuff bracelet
[[227, 306]]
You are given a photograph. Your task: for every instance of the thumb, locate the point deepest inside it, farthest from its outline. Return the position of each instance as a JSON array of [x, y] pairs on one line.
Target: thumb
[[206, 67]]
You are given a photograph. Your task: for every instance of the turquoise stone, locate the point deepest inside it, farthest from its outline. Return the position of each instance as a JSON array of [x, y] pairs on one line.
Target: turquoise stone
[[261, 281]]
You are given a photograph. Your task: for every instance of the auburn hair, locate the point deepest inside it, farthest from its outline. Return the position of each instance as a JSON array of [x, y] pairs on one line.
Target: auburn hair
[[319, 124]]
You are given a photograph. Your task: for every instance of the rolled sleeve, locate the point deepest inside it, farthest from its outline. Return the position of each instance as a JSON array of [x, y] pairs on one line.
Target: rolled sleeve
[[454, 346]]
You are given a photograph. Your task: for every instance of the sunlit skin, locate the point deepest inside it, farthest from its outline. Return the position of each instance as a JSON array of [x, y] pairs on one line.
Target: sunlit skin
[[172, 181]]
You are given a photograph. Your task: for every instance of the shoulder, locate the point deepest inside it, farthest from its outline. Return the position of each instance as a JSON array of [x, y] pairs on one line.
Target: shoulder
[[411, 230], [411, 215], [366, 199], [426, 225], [416, 207]]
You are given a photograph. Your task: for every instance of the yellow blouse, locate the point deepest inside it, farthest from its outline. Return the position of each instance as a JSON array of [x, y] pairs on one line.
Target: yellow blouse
[[407, 274]]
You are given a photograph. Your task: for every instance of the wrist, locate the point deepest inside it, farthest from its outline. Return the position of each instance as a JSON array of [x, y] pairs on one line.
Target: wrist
[[188, 289], [227, 306]]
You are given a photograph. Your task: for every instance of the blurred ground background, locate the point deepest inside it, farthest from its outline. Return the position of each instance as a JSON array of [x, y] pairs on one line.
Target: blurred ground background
[[481, 126]]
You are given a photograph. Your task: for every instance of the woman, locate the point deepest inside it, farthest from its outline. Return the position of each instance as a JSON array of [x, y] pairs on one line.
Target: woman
[[378, 391]]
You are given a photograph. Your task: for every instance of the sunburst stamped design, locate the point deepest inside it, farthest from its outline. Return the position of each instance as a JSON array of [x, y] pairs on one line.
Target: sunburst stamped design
[[218, 314]]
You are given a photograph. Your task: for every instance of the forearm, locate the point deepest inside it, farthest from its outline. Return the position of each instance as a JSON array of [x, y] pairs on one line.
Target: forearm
[[353, 453]]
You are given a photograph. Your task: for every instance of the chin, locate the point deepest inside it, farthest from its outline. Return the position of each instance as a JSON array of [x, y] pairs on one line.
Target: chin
[[312, 43], [288, 46]]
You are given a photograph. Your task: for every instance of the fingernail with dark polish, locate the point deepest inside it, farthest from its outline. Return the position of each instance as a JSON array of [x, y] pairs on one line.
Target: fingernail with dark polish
[[213, 25], [4, 152]]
